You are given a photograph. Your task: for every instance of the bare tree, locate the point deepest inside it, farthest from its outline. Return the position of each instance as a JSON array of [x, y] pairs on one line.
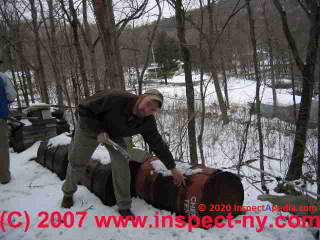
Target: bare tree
[[74, 22], [318, 164], [307, 68], [202, 90], [293, 80], [271, 62], [257, 98], [225, 80], [53, 55], [213, 68], [180, 25], [106, 24], [87, 35], [212, 39], [150, 38], [40, 68]]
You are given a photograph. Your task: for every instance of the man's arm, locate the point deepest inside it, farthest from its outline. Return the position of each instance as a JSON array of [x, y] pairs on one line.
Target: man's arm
[[92, 111], [10, 91], [158, 146]]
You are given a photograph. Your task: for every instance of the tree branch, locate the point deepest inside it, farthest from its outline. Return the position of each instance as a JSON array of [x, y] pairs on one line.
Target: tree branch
[[288, 34], [304, 8], [135, 15]]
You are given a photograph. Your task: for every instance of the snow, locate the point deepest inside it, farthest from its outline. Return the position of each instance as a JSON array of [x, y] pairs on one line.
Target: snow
[[240, 92], [101, 154], [62, 139], [159, 167], [34, 189], [26, 122]]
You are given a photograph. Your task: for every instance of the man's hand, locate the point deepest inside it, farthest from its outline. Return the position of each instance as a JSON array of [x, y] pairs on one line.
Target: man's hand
[[178, 177], [103, 137]]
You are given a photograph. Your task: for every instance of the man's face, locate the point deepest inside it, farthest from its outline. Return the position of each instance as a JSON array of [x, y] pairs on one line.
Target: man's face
[[147, 107]]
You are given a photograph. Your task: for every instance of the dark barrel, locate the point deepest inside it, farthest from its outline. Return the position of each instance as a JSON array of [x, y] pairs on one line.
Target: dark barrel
[[87, 177], [41, 154], [134, 169], [61, 161], [219, 191], [102, 185], [50, 157], [23, 137], [98, 179], [62, 126], [53, 158]]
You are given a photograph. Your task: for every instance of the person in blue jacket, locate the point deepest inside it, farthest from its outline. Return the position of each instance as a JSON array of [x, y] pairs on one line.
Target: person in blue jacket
[[7, 96]]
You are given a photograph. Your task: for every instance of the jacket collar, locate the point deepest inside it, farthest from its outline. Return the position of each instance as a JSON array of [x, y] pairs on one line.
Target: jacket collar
[[129, 108]]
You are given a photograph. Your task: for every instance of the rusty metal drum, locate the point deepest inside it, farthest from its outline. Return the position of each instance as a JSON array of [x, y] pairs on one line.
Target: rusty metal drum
[[98, 179], [209, 192]]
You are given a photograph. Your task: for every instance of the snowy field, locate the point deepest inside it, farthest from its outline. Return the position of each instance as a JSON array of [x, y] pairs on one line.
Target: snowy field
[[34, 189]]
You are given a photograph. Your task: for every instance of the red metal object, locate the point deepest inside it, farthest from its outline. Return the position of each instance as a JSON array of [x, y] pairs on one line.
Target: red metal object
[[216, 191]]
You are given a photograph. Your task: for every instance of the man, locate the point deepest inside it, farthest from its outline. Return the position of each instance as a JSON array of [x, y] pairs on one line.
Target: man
[[7, 95], [116, 114]]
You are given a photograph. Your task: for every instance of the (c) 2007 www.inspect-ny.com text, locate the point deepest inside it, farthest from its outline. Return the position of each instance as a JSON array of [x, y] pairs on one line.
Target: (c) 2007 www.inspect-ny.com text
[[69, 219]]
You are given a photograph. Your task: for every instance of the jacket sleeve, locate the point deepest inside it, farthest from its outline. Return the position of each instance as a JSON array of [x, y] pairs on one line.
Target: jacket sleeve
[[10, 91], [92, 113], [157, 145]]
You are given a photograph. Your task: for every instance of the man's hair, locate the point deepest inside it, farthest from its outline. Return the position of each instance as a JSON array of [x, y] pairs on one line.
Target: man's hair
[[154, 95]]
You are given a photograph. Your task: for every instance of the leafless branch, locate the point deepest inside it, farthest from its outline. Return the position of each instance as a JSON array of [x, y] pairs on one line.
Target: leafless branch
[[288, 34]]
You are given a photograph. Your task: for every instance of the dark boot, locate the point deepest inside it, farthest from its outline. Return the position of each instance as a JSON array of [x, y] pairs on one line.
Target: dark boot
[[126, 213], [67, 202], [6, 181]]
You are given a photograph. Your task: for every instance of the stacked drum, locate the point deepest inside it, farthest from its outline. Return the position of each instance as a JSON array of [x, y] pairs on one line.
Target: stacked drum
[[208, 192]]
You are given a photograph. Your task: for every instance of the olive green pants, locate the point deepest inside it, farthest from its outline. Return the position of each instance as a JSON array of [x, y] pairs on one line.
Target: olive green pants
[[83, 145], [4, 152]]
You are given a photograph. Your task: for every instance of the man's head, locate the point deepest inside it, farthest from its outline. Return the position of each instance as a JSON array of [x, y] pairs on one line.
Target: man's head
[[149, 103]]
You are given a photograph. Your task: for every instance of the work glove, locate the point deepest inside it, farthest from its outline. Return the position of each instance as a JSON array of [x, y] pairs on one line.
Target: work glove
[[103, 138], [178, 177]]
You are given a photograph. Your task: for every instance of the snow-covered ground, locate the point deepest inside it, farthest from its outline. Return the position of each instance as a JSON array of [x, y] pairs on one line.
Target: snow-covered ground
[[34, 189], [240, 91]]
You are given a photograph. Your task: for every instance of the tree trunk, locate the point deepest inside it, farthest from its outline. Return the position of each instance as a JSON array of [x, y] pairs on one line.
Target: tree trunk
[[56, 63], [27, 75], [270, 48], [180, 25], [213, 69], [74, 24], [273, 84], [140, 76], [293, 89], [307, 69], [13, 72], [225, 82], [257, 75], [24, 89], [91, 47], [202, 92], [109, 37], [40, 68], [53, 50], [318, 172]]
